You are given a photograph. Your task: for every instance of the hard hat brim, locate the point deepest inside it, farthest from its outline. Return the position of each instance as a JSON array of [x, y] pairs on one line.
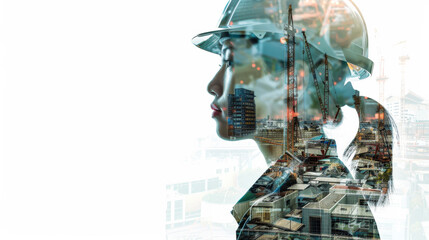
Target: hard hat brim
[[210, 41]]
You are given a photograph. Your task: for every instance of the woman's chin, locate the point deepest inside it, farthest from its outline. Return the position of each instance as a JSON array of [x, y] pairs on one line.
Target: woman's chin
[[223, 134]]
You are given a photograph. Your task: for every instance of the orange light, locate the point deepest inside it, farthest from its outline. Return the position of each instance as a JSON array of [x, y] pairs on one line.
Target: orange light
[[283, 40], [258, 68], [230, 23], [253, 65], [241, 82], [224, 108], [318, 43], [339, 78], [299, 87], [335, 83], [320, 74], [366, 97], [276, 78]]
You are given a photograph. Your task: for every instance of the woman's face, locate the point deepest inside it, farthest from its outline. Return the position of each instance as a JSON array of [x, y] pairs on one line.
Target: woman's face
[[250, 90], [246, 89]]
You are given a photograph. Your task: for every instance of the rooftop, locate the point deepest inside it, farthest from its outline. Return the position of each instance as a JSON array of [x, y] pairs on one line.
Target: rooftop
[[311, 192], [299, 186], [329, 179], [362, 211], [326, 203], [343, 209], [267, 237], [312, 173], [288, 224], [297, 213], [342, 188], [271, 198]]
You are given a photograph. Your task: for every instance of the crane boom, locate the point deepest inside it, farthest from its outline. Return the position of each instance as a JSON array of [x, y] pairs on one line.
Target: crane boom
[[313, 73]]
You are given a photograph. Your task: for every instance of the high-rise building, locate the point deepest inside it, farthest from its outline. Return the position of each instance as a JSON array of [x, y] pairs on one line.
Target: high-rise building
[[241, 113]]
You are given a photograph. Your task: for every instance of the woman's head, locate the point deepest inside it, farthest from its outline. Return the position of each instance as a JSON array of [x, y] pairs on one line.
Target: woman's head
[[247, 87], [250, 89], [250, 86]]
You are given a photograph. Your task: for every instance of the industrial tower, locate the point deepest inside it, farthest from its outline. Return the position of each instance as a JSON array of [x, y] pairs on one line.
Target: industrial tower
[[291, 88]]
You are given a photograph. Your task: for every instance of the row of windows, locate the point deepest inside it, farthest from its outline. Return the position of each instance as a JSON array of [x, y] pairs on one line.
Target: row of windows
[[196, 186]]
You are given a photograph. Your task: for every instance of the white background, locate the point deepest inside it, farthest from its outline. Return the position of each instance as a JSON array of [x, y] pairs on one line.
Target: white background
[[100, 97]]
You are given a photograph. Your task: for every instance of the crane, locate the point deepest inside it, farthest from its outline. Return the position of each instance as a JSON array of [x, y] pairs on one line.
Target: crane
[[291, 102], [316, 83], [326, 90]]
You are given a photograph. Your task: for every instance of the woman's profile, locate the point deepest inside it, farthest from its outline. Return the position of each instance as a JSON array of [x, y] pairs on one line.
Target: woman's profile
[[285, 82]]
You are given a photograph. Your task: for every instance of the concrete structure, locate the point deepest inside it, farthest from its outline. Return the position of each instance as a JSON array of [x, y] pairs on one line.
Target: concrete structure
[[340, 214], [273, 207], [316, 216], [372, 195], [311, 194], [308, 176]]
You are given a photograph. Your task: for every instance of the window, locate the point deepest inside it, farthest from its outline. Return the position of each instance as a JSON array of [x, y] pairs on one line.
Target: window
[[168, 213], [198, 186], [266, 215], [213, 183], [178, 210], [182, 188], [193, 215], [315, 225]]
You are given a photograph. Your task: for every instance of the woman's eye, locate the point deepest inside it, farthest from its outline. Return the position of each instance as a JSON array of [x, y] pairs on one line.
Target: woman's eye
[[227, 63]]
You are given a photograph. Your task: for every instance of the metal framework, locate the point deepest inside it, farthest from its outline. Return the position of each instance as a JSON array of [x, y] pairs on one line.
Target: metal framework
[[291, 88], [316, 83], [326, 91]]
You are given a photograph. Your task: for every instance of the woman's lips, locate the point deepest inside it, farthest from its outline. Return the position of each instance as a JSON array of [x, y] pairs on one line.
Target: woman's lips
[[216, 110]]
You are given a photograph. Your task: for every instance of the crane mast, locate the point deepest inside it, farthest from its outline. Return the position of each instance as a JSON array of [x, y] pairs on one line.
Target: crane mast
[[326, 91], [291, 101], [383, 147]]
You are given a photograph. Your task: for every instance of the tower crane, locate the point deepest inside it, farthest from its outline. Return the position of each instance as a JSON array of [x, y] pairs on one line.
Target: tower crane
[[316, 83], [383, 147], [291, 101], [324, 104], [326, 90]]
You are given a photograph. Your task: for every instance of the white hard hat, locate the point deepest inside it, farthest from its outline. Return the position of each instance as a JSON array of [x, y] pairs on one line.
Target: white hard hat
[[334, 27]]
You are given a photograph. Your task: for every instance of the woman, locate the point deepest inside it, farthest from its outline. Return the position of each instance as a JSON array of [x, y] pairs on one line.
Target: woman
[[284, 81]]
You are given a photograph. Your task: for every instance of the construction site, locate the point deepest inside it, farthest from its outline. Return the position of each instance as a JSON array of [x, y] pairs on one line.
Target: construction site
[[309, 192]]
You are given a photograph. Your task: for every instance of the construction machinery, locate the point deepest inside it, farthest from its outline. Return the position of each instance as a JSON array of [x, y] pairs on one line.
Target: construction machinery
[[316, 83], [291, 88]]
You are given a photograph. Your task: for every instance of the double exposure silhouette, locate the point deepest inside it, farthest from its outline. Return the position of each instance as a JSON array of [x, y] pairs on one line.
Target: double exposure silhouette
[[285, 82]]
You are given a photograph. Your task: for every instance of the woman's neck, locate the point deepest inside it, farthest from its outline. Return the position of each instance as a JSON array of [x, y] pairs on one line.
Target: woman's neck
[[271, 152]]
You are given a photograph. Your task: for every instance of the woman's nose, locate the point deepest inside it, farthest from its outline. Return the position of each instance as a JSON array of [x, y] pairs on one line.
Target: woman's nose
[[215, 86]]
